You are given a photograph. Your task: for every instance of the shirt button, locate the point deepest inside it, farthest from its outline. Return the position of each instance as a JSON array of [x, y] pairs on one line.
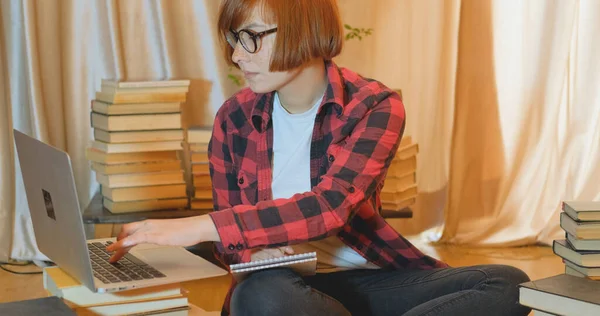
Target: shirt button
[[241, 181], [351, 189], [331, 158], [239, 246], [231, 247]]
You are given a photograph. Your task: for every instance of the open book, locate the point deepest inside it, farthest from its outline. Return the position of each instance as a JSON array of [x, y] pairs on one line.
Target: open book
[[303, 264]]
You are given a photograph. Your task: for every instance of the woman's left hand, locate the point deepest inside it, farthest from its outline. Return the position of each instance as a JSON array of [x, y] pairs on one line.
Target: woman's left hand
[[269, 253]]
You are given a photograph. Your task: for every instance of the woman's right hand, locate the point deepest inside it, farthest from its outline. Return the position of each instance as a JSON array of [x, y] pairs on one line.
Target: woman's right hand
[[269, 253]]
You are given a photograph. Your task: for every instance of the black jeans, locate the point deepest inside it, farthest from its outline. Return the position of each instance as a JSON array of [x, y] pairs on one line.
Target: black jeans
[[477, 290]]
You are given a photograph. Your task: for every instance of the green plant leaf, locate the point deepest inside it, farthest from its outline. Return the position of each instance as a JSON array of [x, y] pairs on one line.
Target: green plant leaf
[[348, 27], [236, 80]]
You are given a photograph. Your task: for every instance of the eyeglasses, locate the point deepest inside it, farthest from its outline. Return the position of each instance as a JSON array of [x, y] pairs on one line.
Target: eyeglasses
[[250, 40]]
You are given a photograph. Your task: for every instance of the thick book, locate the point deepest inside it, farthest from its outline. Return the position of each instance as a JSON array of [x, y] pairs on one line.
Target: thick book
[[148, 97], [562, 294], [138, 136], [582, 210], [584, 258], [199, 157], [385, 206], [580, 229], [137, 167], [135, 108], [198, 204], [199, 134], [407, 151], [572, 271], [395, 185], [47, 306], [116, 123], [593, 272], [397, 197], [159, 306], [115, 148], [59, 284], [127, 194], [135, 157], [200, 169], [141, 179], [145, 205], [202, 181], [303, 264]]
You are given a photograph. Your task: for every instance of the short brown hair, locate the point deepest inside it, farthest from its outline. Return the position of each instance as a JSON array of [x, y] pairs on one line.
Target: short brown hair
[[306, 29]]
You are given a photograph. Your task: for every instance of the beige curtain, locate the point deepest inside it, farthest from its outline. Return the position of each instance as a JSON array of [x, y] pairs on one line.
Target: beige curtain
[[526, 130], [6, 165], [54, 54], [414, 47], [501, 96]]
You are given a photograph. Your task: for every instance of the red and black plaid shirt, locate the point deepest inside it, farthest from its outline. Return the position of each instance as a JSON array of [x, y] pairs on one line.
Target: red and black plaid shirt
[[356, 134]]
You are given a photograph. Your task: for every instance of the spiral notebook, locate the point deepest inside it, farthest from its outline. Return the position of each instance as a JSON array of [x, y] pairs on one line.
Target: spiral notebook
[[303, 264]]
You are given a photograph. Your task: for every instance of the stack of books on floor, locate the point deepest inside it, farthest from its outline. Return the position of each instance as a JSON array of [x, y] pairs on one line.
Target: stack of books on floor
[[577, 291], [168, 299], [137, 148], [580, 249], [400, 186], [198, 138]]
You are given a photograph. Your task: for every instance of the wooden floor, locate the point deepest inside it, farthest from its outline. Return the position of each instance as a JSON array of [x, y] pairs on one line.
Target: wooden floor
[[538, 262]]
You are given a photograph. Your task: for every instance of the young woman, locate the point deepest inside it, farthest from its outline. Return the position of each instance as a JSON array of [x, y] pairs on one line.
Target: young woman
[[297, 162]]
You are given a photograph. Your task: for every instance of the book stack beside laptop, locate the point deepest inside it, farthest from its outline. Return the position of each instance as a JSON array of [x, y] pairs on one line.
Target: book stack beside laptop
[[166, 299], [201, 197], [400, 186], [137, 147], [577, 291]]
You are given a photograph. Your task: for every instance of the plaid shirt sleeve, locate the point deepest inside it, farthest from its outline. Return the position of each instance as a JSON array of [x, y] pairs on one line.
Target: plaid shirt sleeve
[[359, 164], [225, 191]]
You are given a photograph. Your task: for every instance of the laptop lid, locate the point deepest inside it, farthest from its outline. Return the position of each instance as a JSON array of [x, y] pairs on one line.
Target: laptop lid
[[54, 206]]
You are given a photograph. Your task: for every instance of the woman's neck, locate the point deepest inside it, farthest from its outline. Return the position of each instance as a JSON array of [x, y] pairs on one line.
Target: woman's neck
[[300, 94]]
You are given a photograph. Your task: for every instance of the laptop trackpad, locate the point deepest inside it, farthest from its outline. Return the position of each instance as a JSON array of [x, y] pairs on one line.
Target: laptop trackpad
[[176, 260]]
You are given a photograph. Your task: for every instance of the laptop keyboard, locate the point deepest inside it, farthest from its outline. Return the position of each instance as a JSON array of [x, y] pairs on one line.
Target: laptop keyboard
[[128, 268]]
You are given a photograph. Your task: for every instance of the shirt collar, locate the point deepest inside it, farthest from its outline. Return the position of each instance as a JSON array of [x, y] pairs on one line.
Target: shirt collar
[[334, 95]]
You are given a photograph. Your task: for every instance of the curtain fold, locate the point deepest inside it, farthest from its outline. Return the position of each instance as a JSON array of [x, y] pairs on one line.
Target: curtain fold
[[58, 51], [501, 96], [413, 48], [512, 163], [6, 162]]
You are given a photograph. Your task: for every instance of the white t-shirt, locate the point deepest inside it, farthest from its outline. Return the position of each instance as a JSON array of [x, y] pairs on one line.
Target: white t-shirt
[[292, 136]]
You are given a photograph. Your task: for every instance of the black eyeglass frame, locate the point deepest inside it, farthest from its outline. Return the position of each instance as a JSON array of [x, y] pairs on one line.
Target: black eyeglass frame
[[253, 35]]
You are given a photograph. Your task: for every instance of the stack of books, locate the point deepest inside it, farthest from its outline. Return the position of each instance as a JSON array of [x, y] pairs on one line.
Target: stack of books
[[170, 299], [400, 187], [137, 147], [575, 292], [580, 249], [201, 197]]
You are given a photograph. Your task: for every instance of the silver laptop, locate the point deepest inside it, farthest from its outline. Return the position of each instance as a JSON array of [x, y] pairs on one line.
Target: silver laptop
[[58, 229]]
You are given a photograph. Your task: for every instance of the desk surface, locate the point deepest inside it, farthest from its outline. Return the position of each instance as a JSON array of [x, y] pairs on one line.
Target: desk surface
[[96, 213]]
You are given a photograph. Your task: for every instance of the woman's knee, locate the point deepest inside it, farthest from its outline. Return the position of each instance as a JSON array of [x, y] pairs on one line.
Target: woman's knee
[[511, 276], [506, 279], [264, 293]]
